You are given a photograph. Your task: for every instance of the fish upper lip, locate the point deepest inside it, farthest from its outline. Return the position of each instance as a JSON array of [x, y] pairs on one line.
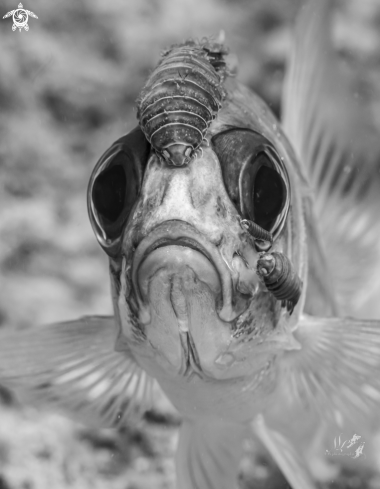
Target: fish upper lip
[[180, 233], [180, 241]]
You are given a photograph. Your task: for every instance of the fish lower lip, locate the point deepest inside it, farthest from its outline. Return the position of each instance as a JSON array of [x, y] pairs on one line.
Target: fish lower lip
[[172, 263], [183, 234]]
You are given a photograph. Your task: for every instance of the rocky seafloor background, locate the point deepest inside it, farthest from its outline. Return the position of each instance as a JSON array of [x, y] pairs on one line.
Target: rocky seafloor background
[[67, 90]]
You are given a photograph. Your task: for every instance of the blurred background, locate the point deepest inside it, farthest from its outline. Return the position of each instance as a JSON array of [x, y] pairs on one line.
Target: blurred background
[[67, 91]]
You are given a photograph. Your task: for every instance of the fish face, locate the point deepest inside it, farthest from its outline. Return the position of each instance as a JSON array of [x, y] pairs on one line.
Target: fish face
[[187, 295], [193, 272]]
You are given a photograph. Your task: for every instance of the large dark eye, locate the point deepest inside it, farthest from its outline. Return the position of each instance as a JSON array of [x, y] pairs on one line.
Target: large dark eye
[[114, 187], [110, 190], [255, 177], [262, 191]]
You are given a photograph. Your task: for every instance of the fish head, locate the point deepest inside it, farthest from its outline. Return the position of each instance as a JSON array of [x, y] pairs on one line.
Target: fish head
[[184, 276]]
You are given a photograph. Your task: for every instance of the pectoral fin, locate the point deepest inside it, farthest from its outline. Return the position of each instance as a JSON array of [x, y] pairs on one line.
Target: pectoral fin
[[208, 454], [337, 370], [73, 367]]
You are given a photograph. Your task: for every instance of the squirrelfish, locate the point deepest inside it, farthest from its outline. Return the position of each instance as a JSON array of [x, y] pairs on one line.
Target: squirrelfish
[[243, 258]]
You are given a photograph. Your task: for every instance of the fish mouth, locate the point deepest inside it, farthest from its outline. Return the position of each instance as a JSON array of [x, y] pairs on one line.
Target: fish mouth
[[181, 234]]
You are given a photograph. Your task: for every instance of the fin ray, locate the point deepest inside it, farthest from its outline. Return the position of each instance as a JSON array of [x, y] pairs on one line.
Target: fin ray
[[73, 367], [337, 371], [335, 138]]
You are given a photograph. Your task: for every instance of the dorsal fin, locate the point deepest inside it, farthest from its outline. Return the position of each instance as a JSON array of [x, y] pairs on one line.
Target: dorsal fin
[[336, 140]]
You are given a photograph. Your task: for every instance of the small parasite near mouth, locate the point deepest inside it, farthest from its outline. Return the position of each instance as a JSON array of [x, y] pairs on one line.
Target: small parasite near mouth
[[263, 239], [280, 278]]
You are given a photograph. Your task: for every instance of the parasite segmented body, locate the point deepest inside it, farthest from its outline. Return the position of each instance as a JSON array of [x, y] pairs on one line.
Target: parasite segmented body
[[257, 232], [181, 99], [280, 278]]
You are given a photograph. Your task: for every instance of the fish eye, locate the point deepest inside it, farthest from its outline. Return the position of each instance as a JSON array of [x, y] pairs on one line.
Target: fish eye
[[255, 178], [262, 191], [114, 187]]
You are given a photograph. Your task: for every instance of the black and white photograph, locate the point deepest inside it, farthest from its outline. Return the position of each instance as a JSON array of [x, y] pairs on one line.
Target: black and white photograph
[[190, 244]]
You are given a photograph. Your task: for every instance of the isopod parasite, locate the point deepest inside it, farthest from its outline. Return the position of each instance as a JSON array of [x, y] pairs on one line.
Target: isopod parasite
[[180, 100], [263, 238], [280, 278]]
